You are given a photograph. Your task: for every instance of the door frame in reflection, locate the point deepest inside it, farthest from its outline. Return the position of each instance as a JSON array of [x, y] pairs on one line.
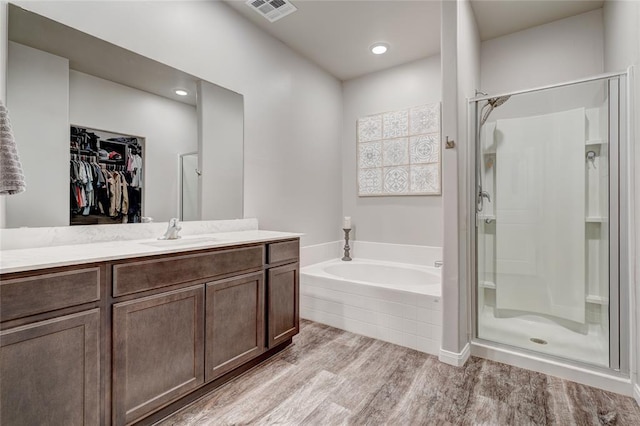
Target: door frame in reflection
[[193, 206]]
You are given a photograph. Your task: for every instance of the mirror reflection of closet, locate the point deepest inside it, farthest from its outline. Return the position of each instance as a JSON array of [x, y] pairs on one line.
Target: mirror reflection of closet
[[59, 76], [189, 209], [106, 177]]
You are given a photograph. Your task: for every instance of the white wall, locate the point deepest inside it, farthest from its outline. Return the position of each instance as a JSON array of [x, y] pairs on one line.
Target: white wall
[[622, 49], [563, 50], [400, 219], [220, 134], [292, 107], [169, 128], [38, 84]]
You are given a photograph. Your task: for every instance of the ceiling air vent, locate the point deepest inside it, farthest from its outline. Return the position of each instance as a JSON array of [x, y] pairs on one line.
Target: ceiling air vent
[[272, 9]]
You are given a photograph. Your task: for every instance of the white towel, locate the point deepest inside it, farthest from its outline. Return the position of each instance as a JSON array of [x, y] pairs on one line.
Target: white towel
[[11, 176]]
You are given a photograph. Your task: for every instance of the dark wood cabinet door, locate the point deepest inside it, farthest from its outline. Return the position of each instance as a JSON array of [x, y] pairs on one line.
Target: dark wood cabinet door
[[234, 323], [50, 372], [283, 303], [158, 345]]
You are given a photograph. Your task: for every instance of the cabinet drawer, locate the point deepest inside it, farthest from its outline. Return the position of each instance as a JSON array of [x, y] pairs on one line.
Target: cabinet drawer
[[140, 276], [21, 297], [284, 251]]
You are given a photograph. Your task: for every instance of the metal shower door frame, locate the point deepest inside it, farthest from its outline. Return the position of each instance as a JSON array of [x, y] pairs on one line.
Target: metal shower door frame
[[619, 290]]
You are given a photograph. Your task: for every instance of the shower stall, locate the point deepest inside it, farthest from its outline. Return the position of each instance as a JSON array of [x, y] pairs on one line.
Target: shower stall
[[549, 221]]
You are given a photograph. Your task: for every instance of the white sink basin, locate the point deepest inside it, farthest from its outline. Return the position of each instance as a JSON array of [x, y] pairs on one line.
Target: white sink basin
[[180, 242]]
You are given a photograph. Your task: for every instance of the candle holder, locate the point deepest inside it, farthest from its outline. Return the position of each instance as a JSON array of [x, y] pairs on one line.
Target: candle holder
[[346, 257]]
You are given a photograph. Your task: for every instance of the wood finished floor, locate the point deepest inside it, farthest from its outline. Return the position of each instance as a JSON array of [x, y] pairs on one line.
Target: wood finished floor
[[332, 377]]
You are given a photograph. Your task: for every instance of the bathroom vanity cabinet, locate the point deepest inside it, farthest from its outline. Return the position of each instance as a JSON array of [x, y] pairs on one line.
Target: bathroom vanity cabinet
[[131, 340]]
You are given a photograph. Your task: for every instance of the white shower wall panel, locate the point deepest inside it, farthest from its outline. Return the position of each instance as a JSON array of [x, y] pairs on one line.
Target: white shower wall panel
[[540, 201]]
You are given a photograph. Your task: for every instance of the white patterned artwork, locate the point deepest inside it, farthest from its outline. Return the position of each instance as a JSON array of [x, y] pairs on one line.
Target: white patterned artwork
[[399, 152]]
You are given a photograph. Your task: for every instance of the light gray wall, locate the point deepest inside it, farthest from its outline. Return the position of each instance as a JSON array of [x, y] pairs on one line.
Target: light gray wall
[[460, 77], [451, 285], [220, 134], [292, 107], [169, 129], [4, 45], [563, 50], [399, 219], [38, 99], [622, 49], [468, 41]]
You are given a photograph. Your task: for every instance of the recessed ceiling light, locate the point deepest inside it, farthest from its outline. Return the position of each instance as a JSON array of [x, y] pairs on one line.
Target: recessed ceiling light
[[379, 48], [181, 92]]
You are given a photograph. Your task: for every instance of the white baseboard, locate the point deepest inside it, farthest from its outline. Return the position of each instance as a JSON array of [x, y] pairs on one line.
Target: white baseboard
[[636, 393], [454, 358]]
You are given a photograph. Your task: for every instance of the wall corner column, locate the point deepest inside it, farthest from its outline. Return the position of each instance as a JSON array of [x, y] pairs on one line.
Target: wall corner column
[[455, 346]]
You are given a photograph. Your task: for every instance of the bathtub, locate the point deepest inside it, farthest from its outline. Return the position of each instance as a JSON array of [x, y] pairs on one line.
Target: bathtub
[[394, 302]]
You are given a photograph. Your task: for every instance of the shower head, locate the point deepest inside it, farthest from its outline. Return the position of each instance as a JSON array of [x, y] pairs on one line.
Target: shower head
[[496, 102], [493, 103]]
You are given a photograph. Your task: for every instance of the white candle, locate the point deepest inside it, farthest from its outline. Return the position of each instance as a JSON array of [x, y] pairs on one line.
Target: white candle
[[346, 223]]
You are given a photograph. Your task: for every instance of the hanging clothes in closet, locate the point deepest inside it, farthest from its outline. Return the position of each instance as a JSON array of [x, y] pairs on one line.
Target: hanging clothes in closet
[[96, 190], [106, 178]]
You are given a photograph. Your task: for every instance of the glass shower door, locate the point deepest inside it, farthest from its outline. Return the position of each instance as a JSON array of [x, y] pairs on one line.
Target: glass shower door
[[543, 220]]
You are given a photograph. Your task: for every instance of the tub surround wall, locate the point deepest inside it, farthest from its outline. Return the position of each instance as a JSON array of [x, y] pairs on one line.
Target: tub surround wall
[[317, 253], [389, 219], [400, 253]]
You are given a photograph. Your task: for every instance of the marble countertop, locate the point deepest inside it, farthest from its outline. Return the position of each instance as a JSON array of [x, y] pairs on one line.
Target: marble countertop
[[28, 259]]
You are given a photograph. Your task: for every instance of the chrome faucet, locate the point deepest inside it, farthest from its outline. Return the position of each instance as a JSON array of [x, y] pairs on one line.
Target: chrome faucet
[[438, 263], [172, 230]]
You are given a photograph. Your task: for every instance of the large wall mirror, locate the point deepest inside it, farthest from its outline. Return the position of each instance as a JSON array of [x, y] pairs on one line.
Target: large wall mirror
[[85, 111]]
